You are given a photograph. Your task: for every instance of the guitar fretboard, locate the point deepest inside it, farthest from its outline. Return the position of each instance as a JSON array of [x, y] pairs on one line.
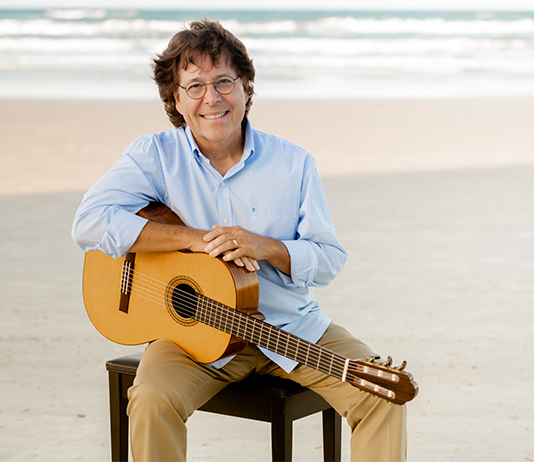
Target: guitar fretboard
[[271, 338]]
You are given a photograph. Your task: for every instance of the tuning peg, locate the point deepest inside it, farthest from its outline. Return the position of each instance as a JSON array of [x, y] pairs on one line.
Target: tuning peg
[[388, 362], [373, 358], [402, 366]]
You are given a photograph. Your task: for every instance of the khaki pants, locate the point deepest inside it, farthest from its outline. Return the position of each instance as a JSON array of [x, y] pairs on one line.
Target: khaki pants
[[170, 386]]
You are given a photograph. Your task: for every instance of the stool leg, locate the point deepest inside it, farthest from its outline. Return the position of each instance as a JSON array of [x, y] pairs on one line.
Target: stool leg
[[118, 419], [331, 436], [281, 430]]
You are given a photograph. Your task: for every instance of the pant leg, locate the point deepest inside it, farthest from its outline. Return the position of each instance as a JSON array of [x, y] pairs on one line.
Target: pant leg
[[378, 427], [168, 388]]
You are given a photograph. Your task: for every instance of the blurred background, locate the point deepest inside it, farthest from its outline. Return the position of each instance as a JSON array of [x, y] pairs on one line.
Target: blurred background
[[300, 49]]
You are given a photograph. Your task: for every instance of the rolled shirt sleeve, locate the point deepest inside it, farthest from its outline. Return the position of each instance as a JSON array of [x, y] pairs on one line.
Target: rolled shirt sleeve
[[316, 255], [106, 219]]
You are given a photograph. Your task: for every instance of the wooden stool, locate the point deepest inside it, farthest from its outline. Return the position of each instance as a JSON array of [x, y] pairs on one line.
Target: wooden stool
[[263, 398]]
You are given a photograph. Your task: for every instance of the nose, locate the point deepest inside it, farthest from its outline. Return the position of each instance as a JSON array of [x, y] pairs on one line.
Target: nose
[[211, 96]]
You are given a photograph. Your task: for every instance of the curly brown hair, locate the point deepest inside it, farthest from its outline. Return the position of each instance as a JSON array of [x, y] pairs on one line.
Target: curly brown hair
[[202, 38]]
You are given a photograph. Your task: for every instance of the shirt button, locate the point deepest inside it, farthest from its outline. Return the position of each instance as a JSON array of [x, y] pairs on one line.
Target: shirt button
[[225, 221], [222, 183]]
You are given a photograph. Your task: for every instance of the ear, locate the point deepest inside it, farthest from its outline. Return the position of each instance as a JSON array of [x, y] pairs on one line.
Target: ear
[[177, 104], [245, 89]]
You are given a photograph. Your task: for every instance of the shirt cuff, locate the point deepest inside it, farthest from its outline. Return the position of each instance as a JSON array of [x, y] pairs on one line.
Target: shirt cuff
[[121, 234], [303, 263]]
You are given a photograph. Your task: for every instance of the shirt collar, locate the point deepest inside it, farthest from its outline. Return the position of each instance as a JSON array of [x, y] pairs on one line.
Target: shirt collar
[[192, 142], [248, 150]]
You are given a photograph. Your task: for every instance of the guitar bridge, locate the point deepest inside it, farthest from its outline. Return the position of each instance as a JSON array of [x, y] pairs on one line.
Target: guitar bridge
[[126, 281]]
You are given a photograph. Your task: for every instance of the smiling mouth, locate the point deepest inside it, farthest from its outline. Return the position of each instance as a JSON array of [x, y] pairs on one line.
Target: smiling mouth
[[215, 116]]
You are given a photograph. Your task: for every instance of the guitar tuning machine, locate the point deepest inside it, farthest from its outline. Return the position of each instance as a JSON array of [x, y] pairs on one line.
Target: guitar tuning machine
[[402, 366], [373, 358], [388, 362]]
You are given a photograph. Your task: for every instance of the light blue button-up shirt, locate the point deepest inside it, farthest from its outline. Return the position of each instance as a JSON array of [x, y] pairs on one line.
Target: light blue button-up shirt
[[274, 190]]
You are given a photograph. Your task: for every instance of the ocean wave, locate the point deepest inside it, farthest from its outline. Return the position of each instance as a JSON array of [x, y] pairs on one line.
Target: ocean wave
[[429, 26], [73, 62], [110, 27], [76, 14], [324, 27], [384, 66], [80, 46], [342, 26], [363, 46], [274, 46], [391, 66]]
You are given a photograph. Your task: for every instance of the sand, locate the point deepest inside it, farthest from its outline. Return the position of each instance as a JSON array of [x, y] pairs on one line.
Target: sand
[[430, 198]]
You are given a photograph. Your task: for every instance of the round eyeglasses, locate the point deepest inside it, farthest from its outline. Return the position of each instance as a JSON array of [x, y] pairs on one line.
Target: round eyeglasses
[[197, 90]]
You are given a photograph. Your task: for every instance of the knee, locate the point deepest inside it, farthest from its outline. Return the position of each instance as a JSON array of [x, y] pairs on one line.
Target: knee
[[149, 397], [372, 409]]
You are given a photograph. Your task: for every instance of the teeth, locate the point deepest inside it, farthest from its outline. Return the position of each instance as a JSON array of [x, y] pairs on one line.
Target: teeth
[[214, 116]]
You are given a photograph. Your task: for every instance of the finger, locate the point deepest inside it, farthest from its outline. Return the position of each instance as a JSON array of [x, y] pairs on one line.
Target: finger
[[239, 262], [249, 263], [220, 245], [215, 232]]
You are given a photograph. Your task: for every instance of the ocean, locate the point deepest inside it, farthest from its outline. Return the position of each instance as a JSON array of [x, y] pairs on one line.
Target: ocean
[[107, 53]]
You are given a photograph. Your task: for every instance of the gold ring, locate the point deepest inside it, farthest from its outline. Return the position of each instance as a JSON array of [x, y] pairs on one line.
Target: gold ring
[[235, 242]]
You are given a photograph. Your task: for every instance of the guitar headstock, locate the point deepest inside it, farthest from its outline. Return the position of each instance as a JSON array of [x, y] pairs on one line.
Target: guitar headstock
[[393, 384]]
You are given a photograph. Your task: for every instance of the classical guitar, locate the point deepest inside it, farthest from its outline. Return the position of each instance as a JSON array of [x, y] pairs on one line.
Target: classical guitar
[[209, 308]]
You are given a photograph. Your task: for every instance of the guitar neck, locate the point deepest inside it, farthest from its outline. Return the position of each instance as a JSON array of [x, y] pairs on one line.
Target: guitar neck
[[271, 338]]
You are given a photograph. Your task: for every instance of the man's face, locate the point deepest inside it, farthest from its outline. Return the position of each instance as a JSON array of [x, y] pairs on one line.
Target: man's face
[[214, 119]]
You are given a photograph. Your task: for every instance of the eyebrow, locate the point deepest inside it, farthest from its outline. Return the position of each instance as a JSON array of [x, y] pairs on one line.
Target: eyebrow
[[218, 77]]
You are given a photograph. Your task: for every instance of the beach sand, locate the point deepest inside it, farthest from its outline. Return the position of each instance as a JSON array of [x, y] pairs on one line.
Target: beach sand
[[430, 198]]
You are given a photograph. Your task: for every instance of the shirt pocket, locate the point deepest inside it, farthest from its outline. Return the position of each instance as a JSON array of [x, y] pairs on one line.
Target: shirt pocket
[[278, 221]]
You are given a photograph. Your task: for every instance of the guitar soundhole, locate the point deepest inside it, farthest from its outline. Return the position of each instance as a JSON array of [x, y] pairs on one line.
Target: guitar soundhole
[[181, 298], [184, 301]]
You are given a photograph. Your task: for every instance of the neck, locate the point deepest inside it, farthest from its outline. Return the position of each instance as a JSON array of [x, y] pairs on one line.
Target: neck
[[224, 155]]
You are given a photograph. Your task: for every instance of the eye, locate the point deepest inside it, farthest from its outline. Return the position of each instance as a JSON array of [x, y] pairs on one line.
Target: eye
[[225, 81], [194, 87]]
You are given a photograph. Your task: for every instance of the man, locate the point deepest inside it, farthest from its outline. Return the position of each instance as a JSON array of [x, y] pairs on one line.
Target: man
[[255, 199]]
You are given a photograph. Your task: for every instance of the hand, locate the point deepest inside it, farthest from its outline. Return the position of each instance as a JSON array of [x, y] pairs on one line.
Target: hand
[[234, 243], [245, 248]]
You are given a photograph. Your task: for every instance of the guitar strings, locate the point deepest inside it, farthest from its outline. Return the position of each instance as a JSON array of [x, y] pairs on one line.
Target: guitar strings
[[192, 304], [192, 300], [150, 292], [337, 367]]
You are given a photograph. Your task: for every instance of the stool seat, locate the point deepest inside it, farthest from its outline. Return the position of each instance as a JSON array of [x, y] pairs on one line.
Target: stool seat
[[262, 398]]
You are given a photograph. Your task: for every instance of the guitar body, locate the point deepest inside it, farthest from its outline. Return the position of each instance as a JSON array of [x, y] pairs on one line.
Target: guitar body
[[150, 313]]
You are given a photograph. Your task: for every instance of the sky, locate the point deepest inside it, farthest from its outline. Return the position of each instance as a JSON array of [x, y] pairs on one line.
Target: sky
[[485, 5]]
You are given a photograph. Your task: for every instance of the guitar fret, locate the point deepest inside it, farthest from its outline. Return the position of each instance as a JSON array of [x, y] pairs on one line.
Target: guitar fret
[[287, 346], [233, 326], [216, 316], [240, 326], [308, 353], [253, 332], [261, 332], [207, 314], [205, 310], [199, 313]]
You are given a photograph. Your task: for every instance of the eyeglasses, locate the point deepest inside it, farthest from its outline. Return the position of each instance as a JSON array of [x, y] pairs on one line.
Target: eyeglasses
[[197, 90]]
